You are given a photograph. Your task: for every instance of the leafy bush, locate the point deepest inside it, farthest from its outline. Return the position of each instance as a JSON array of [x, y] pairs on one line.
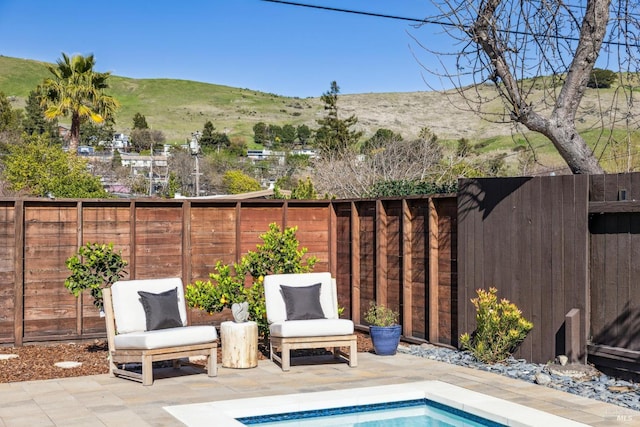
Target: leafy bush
[[408, 188], [500, 328], [380, 315], [95, 266], [237, 182], [277, 255]]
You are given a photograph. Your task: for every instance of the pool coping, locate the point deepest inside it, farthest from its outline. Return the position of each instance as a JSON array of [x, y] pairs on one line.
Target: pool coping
[[501, 411]]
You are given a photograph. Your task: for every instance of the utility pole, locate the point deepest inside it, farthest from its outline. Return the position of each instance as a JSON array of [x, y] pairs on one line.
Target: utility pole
[[151, 173], [195, 150]]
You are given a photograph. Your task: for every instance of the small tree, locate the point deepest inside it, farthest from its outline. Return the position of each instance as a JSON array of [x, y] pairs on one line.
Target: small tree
[[43, 169], [601, 79], [94, 267], [335, 134], [140, 122], [237, 182]]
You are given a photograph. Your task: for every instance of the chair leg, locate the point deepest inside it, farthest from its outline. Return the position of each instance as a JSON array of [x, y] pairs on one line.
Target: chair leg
[[353, 354], [286, 357], [112, 366], [147, 370], [212, 362]]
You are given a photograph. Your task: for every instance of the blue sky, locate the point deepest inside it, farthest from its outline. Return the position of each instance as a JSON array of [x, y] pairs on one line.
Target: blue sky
[[252, 44]]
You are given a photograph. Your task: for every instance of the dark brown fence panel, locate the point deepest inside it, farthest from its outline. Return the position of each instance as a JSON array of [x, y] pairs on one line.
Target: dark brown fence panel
[[614, 227], [51, 236], [526, 237], [417, 226], [366, 214], [254, 221], [7, 271], [158, 240], [213, 237], [103, 223], [447, 272], [343, 256], [313, 222]]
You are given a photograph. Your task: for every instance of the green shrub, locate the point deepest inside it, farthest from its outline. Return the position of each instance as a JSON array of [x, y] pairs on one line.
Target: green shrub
[[95, 266], [500, 328], [380, 315], [277, 255]]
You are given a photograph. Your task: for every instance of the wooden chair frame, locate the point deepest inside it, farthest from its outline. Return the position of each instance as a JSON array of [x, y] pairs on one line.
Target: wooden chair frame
[[286, 344], [147, 357]]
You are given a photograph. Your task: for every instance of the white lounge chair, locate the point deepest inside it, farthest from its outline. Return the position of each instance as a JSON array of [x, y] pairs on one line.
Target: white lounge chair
[[302, 311], [152, 326]]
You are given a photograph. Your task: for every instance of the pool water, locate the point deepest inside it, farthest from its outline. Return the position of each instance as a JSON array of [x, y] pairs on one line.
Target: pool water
[[411, 413]]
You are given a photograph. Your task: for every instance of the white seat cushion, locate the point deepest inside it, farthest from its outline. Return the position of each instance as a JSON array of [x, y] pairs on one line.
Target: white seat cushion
[[162, 338], [127, 309], [311, 328]]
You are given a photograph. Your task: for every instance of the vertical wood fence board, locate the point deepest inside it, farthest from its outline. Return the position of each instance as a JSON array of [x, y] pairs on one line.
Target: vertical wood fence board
[[407, 266], [419, 240], [367, 250], [380, 253], [213, 238], [158, 237], [395, 297], [7, 271], [434, 294], [537, 265], [343, 257], [447, 241], [49, 309], [254, 221], [312, 222], [356, 284]]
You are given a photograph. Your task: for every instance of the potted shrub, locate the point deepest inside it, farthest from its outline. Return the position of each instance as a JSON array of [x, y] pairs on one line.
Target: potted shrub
[[95, 266], [383, 329]]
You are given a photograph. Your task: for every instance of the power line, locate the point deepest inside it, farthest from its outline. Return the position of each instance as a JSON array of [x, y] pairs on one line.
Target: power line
[[435, 22]]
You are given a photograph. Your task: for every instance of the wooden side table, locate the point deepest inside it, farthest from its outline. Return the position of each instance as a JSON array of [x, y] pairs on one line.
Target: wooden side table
[[239, 344]]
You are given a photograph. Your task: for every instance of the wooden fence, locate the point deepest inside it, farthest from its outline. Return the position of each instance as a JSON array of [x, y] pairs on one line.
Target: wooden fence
[[377, 249], [552, 245], [564, 249]]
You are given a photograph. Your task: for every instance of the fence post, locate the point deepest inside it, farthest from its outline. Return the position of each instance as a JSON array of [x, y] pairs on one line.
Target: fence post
[[572, 335]]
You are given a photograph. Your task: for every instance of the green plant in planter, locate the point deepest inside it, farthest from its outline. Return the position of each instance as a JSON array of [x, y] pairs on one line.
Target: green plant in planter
[[500, 328], [95, 266], [384, 328], [277, 254], [380, 315]]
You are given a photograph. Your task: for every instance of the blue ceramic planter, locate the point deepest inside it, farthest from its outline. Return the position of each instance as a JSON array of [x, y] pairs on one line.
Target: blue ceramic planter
[[385, 339]]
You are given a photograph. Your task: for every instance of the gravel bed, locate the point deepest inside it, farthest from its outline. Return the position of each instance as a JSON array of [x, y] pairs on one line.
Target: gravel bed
[[599, 386]]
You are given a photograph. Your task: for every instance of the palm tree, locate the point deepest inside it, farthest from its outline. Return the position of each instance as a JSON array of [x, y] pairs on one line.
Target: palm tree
[[76, 90]]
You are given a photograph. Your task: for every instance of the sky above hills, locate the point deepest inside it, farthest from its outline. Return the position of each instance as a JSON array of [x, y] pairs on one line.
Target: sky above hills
[[270, 47]]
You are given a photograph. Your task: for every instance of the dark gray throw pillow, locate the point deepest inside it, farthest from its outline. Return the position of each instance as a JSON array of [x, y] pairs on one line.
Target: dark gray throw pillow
[[161, 309], [302, 302]]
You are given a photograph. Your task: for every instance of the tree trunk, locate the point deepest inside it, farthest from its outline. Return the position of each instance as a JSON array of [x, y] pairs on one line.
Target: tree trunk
[[74, 140], [560, 126]]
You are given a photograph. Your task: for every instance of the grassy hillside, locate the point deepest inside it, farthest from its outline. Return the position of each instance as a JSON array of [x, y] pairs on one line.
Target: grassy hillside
[[179, 107]]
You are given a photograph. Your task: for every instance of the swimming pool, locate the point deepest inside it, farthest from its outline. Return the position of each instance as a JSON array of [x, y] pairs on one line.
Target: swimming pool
[[408, 413], [225, 413]]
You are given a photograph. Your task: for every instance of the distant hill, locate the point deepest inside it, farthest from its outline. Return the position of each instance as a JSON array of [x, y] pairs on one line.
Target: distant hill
[[179, 107]]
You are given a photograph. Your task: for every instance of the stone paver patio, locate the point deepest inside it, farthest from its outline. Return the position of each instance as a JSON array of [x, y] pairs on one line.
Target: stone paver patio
[[104, 401]]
